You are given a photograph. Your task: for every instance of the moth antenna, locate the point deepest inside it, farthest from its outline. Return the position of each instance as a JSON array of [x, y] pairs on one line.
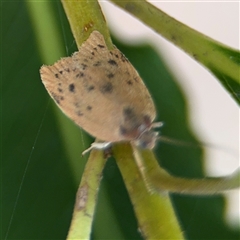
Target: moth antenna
[[196, 145]]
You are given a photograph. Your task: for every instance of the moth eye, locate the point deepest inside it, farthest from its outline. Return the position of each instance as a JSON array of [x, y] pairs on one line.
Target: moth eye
[[147, 139]]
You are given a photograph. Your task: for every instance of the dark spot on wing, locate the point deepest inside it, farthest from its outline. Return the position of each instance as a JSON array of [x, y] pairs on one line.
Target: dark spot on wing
[[96, 64], [112, 62], [84, 66], [92, 53], [128, 113], [61, 72], [123, 130], [71, 87], [80, 74], [56, 97], [67, 70], [79, 113], [56, 75], [101, 46], [90, 88], [131, 120], [106, 88], [110, 75], [123, 58], [60, 90], [89, 108], [130, 123], [129, 82], [116, 55], [147, 120], [129, 133], [76, 104]]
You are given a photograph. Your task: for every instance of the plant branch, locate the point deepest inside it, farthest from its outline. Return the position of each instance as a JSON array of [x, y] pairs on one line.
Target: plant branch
[[84, 17], [158, 180], [159, 220], [86, 198], [221, 60]]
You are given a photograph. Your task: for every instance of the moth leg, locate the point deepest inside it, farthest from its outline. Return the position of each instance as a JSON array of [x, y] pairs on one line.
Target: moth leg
[[97, 145], [157, 124]]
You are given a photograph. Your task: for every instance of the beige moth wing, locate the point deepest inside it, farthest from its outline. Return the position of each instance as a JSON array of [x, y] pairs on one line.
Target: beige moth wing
[[101, 92]]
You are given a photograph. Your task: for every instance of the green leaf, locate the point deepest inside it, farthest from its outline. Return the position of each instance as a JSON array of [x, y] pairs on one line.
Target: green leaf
[[32, 131]]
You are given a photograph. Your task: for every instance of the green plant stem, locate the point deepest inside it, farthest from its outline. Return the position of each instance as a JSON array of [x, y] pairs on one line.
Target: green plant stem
[[84, 17], [86, 199], [158, 180], [155, 214], [221, 60]]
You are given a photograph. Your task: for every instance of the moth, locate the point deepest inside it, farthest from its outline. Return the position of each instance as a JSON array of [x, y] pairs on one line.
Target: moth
[[101, 92]]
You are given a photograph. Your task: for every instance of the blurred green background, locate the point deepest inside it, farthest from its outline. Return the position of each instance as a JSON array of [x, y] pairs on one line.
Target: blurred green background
[[34, 146]]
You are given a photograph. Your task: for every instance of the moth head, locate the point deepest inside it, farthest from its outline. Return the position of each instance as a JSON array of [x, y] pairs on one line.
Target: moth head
[[148, 137]]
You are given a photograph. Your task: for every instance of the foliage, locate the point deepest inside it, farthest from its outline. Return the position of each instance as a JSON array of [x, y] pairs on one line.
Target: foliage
[[35, 147]]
